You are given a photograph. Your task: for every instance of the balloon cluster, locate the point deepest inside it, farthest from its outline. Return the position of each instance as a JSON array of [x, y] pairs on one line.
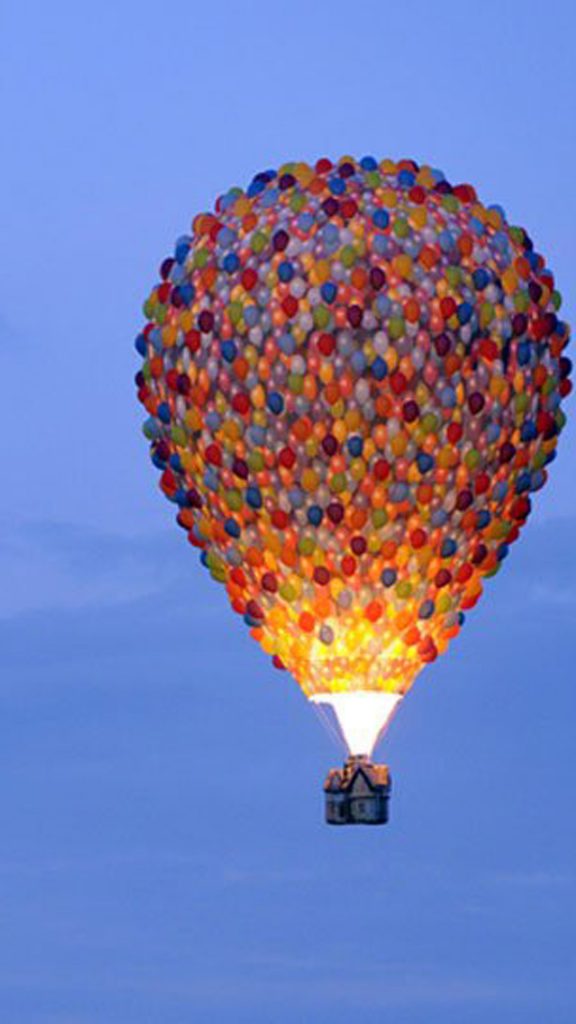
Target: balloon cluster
[[353, 374]]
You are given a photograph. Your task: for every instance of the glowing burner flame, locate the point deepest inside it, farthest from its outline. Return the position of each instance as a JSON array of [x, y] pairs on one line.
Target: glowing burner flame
[[362, 716]]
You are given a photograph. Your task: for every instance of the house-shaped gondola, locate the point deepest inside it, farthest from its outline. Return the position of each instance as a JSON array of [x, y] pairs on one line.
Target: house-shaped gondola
[[358, 793]]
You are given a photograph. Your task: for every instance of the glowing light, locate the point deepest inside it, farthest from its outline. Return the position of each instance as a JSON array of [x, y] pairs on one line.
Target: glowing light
[[362, 716]]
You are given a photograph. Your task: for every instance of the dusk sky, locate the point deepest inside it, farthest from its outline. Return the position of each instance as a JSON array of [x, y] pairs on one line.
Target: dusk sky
[[163, 858]]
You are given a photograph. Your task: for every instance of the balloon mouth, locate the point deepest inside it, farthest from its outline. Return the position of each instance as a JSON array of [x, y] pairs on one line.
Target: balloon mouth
[[362, 716]]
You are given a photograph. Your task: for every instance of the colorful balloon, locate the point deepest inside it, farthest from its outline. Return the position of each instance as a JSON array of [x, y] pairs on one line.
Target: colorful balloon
[[353, 373]]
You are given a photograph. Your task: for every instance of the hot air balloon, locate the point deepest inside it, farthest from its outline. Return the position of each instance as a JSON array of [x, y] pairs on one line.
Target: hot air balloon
[[353, 374]]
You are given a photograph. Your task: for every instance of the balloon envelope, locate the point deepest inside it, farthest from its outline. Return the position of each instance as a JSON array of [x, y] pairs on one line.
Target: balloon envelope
[[353, 374]]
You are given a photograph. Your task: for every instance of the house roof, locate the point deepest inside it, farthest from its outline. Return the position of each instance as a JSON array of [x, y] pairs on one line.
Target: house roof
[[333, 782], [381, 774], [377, 776]]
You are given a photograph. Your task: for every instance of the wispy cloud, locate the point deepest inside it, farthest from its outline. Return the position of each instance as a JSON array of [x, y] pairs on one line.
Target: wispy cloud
[[343, 987], [214, 873], [357, 986], [535, 879], [562, 596], [10, 333], [541, 569], [48, 565]]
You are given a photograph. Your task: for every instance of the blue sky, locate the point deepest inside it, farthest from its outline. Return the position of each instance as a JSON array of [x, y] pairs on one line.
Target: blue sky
[[162, 854]]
